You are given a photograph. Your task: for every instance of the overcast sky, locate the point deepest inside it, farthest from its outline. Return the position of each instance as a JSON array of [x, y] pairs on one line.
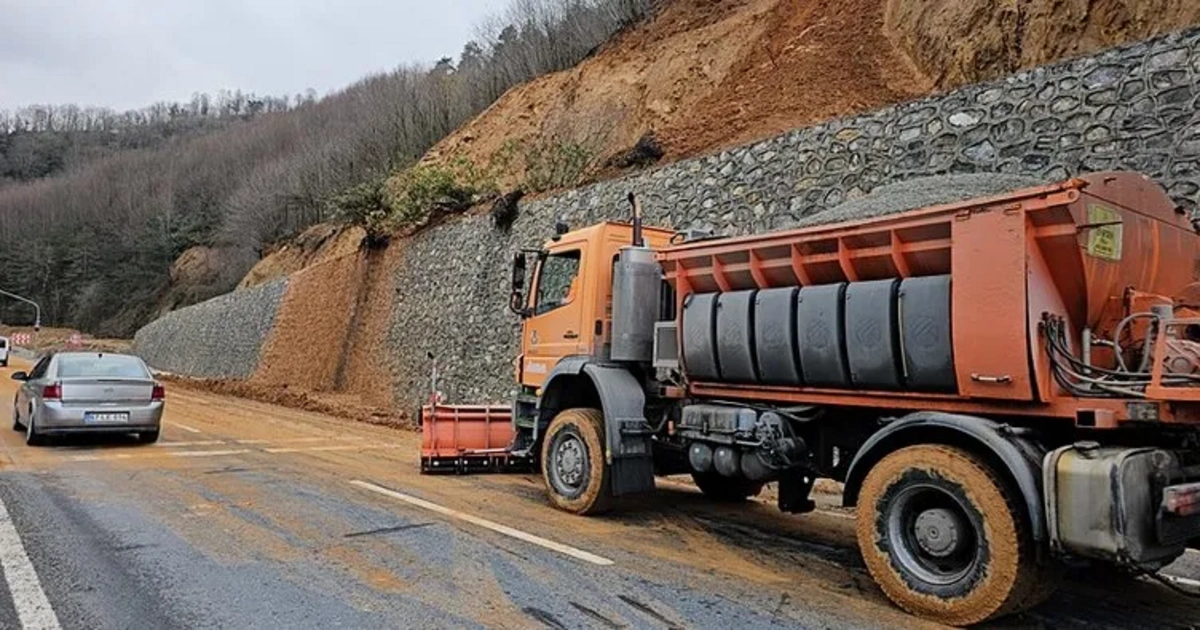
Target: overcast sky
[[130, 53]]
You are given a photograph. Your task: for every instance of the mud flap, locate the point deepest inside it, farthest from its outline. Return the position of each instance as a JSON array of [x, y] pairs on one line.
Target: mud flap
[[627, 434]]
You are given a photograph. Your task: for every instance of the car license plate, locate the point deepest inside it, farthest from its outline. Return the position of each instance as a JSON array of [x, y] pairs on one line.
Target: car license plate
[[95, 417]]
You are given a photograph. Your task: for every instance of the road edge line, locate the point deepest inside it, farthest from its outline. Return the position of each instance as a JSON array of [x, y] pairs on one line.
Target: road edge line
[[568, 550], [29, 599], [1181, 580]]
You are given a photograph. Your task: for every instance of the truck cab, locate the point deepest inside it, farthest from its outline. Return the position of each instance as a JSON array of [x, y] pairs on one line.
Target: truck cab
[[568, 311]]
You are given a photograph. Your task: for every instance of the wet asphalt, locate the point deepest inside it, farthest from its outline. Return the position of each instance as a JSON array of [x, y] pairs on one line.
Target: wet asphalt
[[106, 560]]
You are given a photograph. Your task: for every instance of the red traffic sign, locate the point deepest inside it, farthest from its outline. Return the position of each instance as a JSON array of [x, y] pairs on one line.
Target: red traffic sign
[[20, 339], [75, 340]]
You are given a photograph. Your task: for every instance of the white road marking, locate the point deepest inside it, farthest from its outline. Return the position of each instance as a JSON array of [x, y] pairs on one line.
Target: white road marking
[[834, 514], [298, 440], [99, 457], [186, 428], [234, 451], [148, 454], [196, 443], [339, 447], [33, 608], [1182, 580], [486, 524]]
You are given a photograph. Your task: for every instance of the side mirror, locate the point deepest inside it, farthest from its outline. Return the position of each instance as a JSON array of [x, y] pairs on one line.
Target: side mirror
[[20, 376], [518, 272], [516, 299]]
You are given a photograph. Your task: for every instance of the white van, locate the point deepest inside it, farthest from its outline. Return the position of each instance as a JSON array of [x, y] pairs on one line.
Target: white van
[[4, 348]]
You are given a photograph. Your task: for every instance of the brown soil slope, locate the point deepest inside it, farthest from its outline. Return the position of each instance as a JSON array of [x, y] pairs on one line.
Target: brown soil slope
[[324, 351], [317, 244], [644, 79], [965, 41], [307, 342], [708, 74]]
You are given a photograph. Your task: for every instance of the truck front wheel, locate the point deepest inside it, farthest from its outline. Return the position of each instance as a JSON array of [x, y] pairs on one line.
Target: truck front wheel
[[573, 467], [945, 538]]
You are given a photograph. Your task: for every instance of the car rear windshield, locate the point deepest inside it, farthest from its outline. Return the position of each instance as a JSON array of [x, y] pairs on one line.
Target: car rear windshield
[[101, 366], [3, 343]]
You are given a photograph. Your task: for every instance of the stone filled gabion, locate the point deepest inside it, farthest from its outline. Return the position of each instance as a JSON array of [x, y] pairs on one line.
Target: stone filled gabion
[[920, 192], [219, 338]]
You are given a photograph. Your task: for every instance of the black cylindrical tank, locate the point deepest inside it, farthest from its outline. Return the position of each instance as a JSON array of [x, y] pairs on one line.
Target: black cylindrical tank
[[889, 334]]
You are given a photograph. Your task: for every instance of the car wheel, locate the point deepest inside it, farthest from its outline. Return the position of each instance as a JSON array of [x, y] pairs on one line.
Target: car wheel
[[32, 437], [148, 437], [17, 426]]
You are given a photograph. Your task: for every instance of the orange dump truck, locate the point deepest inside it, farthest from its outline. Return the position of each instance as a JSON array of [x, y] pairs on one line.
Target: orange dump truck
[[1002, 384]]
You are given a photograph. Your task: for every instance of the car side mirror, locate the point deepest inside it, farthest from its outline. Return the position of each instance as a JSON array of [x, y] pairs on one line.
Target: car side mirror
[[20, 376]]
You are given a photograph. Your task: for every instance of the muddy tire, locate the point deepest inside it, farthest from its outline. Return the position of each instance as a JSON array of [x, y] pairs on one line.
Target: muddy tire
[[726, 489], [577, 479], [946, 539]]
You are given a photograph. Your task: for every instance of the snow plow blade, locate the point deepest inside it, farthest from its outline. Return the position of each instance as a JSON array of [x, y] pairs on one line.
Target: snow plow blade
[[463, 439]]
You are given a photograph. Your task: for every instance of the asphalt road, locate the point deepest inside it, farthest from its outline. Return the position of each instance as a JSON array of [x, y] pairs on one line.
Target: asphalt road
[[248, 515]]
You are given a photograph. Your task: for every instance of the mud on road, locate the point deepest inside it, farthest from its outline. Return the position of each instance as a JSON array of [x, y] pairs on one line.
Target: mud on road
[[254, 515]]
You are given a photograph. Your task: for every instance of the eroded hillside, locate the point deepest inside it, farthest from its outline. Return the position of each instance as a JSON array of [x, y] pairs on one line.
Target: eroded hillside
[[706, 74]]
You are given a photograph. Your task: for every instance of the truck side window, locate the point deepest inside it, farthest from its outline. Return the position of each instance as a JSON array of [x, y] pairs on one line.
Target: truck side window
[[557, 274]]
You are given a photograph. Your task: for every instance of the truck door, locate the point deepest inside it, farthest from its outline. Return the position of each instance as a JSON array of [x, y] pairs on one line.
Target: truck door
[[554, 330]]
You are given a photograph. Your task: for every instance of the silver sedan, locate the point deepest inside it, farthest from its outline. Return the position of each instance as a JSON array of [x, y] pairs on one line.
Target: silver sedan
[[87, 392]]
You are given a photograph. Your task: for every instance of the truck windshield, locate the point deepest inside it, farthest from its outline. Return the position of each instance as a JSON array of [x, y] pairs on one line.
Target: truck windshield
[[555, 280]]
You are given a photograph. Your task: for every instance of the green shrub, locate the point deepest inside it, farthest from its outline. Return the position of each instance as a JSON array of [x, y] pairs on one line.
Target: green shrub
[[364, 204], [427, 190], [558, 158], [557, 164]]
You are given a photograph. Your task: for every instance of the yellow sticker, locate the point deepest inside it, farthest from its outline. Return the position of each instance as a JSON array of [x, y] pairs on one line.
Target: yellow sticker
[[1105, 232]]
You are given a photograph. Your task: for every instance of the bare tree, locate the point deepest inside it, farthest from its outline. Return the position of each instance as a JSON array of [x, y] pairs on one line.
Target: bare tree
[[130, 191]]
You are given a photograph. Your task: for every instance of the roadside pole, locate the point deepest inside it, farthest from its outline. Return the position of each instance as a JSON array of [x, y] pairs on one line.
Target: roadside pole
[[37, 322]]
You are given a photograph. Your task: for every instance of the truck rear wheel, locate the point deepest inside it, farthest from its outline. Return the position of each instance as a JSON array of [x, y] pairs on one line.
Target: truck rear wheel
[[945, 538], [573, 467], [727, 489]]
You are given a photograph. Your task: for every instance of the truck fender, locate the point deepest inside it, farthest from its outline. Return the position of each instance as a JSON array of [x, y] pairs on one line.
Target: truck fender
[[623, 402], [1018, 457]]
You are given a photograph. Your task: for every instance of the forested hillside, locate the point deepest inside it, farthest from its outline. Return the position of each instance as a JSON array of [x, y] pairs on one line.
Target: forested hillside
[[42, 140], [95, 244]]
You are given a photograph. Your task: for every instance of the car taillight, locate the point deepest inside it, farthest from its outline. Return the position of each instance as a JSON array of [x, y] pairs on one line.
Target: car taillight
[[1182, 500], [158, 393], [52, 392]]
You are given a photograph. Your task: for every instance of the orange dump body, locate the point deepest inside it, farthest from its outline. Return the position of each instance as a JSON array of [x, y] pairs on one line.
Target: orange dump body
[[467, 438], [1090, 251]]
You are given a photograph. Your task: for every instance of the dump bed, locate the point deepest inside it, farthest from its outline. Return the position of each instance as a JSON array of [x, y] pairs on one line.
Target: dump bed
[[1075, 251]]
